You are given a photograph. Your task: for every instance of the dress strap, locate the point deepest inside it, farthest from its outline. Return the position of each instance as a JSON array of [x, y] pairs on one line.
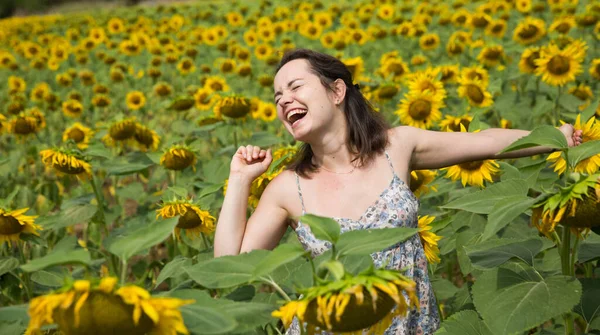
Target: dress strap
[[300, 193], [390, 162]]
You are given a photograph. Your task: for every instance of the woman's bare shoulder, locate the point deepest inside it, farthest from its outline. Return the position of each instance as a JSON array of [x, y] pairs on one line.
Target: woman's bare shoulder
[[403, 138], [283, 186]]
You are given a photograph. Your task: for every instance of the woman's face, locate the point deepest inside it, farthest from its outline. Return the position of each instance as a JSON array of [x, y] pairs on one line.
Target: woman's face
[[304, 105]]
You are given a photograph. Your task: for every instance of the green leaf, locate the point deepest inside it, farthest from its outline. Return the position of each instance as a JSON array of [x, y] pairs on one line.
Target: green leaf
[[583, 151], [210, 189], [140, 237], [323, 228], [589, 249], [14, 313], [504, 211], [541, 136], [130, 164], [443, 288], [226, 271], [68, 216], [367, 241], [47, 278], [276, 164], [172, 269], [12, 328], [484, 201], [465, 323], [207, 320], [8, 264], [589, 306], [336, 268], [590, 110], [283, 254], [494, 253], [570, 102], [512, 300], [58, 257]]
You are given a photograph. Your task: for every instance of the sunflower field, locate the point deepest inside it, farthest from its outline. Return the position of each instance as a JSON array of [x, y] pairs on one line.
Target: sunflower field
[[117, 128]]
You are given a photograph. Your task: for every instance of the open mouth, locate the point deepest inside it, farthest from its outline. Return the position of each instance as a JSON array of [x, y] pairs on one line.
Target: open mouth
[[296, 115]]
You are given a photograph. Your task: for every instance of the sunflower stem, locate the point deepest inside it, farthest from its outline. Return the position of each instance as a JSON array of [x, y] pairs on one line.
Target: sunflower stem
[[556, 120], [277, 288], [100, 200], [123, 272], [235, 139], [173, 177], [567, 269], [315, 278], [205, 241]]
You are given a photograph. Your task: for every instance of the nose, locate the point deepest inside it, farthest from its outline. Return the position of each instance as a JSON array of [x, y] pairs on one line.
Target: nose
[[286, 99]]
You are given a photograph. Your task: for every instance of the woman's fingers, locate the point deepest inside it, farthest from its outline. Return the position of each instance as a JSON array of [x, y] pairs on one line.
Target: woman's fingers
[[251, 152]]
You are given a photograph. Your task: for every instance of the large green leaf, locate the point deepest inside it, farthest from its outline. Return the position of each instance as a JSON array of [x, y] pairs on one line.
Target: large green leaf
[[207, 320], [58, 257], [589, 249], [589, 306], [132, 163], [226, 271], [140, 237], [443, 288], [504, 212], [464, 323], [15, 313], [360, 242], [12, 328], [283, 254], [323, 228], [541, 136], [483, 202], [513, 299], [48, 278], [172, 269], [494, 253], [69, 215], [583, 151], [8, 264]]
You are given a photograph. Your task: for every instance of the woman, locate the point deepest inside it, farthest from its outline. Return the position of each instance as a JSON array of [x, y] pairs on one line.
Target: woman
[[348, 157]]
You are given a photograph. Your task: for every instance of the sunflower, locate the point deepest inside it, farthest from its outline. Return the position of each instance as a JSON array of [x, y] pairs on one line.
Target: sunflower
[[80, 309], [146, 138], [475, 92], [205, 98], [13, 223], [192, 220], [371, 299], [406, 29], [595, 68], [234, 107], [356, 66], [420, 109], [454, 48], [115, 26], [528, 57], [417, 60], [216, 84], [3, 124], [429, 239], [186, 66], [426, 80], [497, 28], [38, 115], [386, 12], [523, 6], [480, 20], [491, 55], [473, 173], [449, 73], [79, 134], [65, 161], [476, 72], [16, 85], [590, 132], [39, 91], [420, 180], [386, 92], [23, 125], [529, 31], [101, 100], [558, 67], [120, 132], [461, 18], [563, 24], [583, 93], [135, 100], [178, 157], [234, 19], [394, 69], [576, 206], [162, 89], [267, 112], [429, 41]]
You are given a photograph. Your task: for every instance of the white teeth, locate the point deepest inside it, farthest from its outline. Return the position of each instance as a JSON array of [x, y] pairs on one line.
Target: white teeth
[[294, 112]]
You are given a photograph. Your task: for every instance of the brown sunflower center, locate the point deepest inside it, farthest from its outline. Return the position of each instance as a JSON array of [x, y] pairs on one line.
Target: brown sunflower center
[[493, 54], [430, 41], [480, 21], [563, 28], [416, 183], [471, 166], [420, 109], [455, 126], [559, 65], [235, 108], [122, 131], [528, 32], [447, 75], [76, 135], [497, 28], [23, 126], [216, 86], [68, 167], [179, 162], [136, 100], [9, 225], [587, 213], [102, 314], [189, 220], [531, 59], [461, 19], [227, 67], [581, 94], [475, 93], [396, 68], [387, 92], [186, 65]]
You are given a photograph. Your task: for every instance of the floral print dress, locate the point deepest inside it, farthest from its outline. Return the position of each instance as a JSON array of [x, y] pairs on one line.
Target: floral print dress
[[397, 206]]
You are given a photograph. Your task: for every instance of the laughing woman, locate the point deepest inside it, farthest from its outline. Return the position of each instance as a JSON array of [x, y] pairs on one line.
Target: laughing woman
[[353, 168]]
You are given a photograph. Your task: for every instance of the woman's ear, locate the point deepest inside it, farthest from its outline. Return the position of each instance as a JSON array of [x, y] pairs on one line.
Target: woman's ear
[[339, 90]]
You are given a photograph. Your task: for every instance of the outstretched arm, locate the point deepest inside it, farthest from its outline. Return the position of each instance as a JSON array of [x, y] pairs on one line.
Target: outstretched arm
[[435, 149]]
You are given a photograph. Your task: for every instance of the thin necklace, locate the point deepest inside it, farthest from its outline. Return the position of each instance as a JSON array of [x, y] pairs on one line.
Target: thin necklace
[[326, 169]]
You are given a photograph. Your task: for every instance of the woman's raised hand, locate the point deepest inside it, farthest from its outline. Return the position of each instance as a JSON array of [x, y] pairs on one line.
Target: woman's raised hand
[[574, 137], [250, 162]]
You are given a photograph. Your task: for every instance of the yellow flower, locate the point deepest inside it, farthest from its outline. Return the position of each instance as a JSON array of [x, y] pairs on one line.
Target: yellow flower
[[356, 67], [120, 132], [497, 28], [79, 134], [66, 162], [186, 66], [475, 92], [72, 108], [476, 72], [429, 239], [128, 310], [595, 68], [491, 55], [234, 19], [146, 138], [449, 73], [135, 100], [192, 220], [563, 24], [523, 6], [40, 91], [267, 112], [310, 30], [13, 223], [205, 98], [394, 68], [216, 84], [16, 85], [529, 31], [558, 67], [369, 301], [590, 132], [426, 80], [386, 12], [583, 93], [420, 109], [232, 106], [473, 173], [420, 180], [429, 41], [162, 89], [527, 63], [178, 157], [115, 26]]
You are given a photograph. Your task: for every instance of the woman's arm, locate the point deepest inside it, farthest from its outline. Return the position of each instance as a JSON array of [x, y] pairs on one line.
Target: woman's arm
[[434, 149]]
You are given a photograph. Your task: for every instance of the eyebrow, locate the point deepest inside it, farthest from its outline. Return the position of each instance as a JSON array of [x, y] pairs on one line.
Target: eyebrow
[[288, 85]]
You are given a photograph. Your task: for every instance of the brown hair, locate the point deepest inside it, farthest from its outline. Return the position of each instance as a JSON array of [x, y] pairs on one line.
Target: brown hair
[[367, 129]]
